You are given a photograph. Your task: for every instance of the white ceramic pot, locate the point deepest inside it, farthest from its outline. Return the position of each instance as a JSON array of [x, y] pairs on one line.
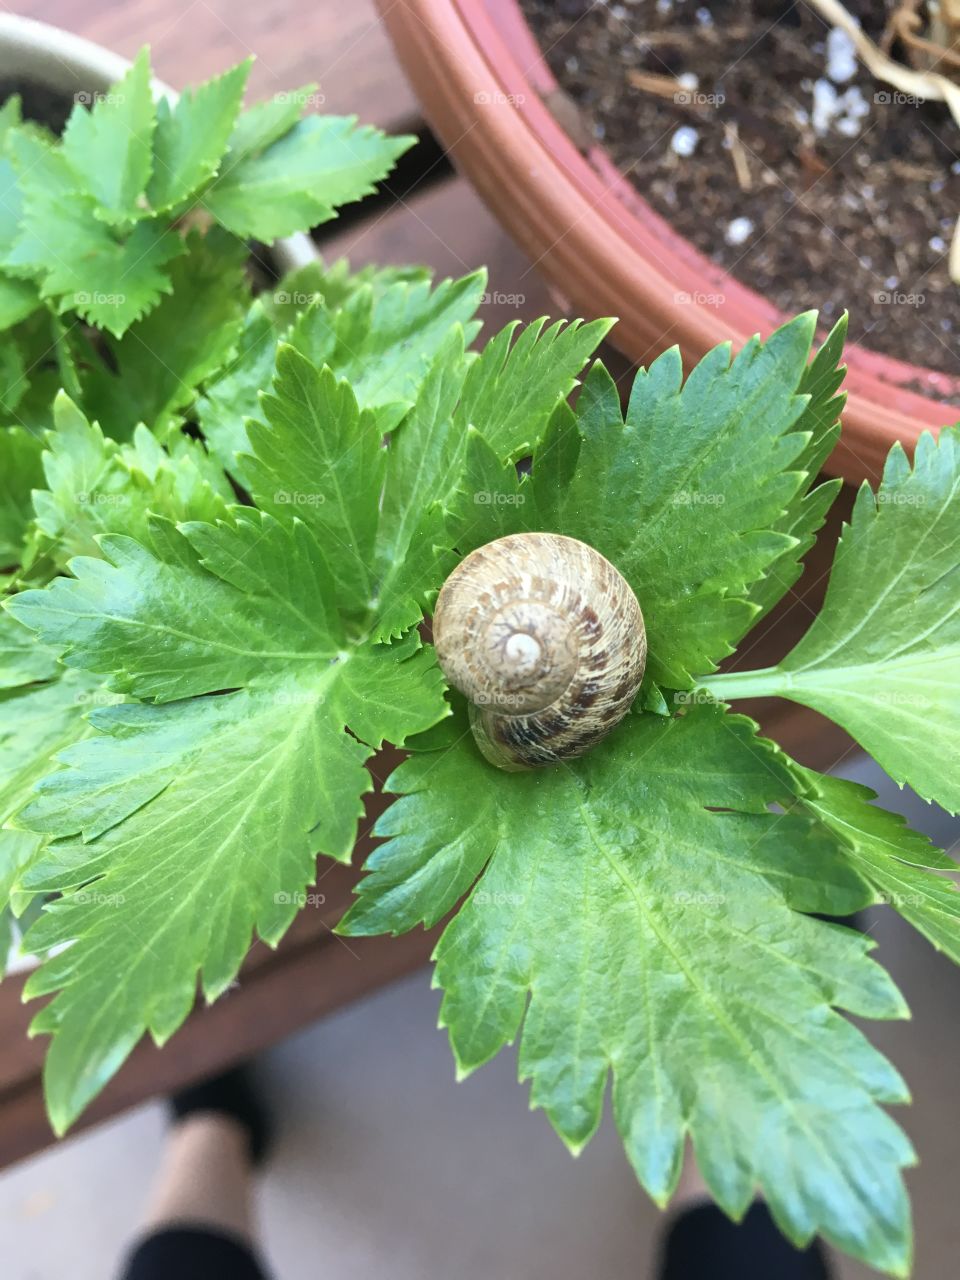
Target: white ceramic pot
[[58, 60]]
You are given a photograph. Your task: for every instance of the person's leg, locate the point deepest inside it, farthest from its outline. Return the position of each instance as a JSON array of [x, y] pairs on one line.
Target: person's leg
[[199, 1224], [701, 1243], [206, 1177]]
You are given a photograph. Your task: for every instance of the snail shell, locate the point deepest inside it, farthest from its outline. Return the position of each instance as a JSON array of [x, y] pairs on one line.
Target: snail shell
[[546, 640]]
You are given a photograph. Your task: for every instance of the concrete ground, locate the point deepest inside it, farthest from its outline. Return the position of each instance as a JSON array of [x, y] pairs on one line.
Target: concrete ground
[[385, 1166]]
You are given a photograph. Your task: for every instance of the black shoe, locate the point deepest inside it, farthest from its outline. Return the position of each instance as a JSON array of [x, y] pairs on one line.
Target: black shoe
[[703, 1244], [232, 1094]]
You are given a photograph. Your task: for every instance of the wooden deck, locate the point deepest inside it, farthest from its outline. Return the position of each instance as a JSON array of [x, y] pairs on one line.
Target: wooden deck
[[427, 215]]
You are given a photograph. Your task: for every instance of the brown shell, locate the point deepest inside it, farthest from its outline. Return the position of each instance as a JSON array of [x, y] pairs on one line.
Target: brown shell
[[546, 640]]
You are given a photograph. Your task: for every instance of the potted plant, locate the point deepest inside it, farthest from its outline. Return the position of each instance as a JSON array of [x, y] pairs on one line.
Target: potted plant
[[66, 69], [605, 227], [226, 518]]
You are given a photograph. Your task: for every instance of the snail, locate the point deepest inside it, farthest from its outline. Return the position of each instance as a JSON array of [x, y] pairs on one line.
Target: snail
[[546, 640]]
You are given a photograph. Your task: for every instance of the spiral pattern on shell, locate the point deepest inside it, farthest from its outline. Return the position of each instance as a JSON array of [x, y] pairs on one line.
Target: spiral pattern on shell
[[546, 640]]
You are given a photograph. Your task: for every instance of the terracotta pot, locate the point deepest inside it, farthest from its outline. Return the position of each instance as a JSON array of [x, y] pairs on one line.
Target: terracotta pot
[[481, 79], [61, 61]]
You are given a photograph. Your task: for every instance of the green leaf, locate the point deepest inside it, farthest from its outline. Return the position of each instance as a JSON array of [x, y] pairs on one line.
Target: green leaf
[[153, 371], [640, 914], [84, 267], [191, 138], [77, 494], [13, 378], [320, 441], [381, 331], [266, 691], [21, 471], [95, 487], [11, 118], [57, 236], [172, 800], [321, 459], [17, 849], [18, 299], [383, 340], [41, 171], [665, 494], [23, 660], [247, 606], [899, 863], [234, 394], [805, 515], [435, 458], [882, 658], [49, 353], [425, 454], [108, 147], [334, 284], [266, 122], [492, 499], [169, 629], [300, 180], [6, 932], [512, 389], [42, 709], [675, 516], [11, 205], [37, 721]]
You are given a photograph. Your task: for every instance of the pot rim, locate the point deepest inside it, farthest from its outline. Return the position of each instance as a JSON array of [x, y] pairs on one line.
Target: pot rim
[[55, 58], [480, 75]]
